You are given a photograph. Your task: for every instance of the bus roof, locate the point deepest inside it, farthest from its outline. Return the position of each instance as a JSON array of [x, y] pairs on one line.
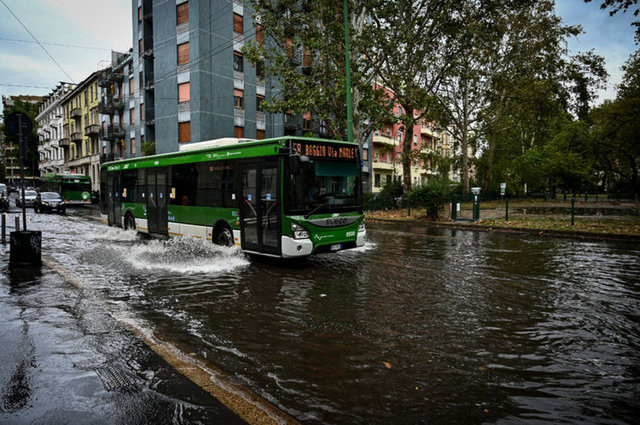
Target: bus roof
[[51, 176], [214, 149]]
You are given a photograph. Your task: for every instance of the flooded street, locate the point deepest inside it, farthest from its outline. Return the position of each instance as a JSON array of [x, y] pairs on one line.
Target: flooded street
[[418, 326]]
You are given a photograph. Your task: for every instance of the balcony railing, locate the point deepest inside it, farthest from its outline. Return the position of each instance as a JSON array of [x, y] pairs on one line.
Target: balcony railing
[[76, 113], [91, 130], [64, 142], [76, 137], [108, 157], [148, 80], [149, 116], [109, 105], [112, 132]]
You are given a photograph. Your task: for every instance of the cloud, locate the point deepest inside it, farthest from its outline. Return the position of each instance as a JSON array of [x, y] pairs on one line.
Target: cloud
[[19, 64]]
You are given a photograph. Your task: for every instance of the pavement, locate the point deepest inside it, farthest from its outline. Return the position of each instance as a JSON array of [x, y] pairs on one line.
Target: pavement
[[64, 359]]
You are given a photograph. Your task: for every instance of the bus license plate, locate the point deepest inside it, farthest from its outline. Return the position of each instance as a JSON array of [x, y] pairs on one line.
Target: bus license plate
[[336, 247]]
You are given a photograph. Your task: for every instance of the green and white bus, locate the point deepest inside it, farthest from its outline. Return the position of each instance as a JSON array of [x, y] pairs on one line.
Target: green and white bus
[[284, 197], [75, 189]]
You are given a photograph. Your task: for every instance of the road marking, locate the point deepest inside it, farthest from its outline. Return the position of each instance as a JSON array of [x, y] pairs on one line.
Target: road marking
[[245, 403]]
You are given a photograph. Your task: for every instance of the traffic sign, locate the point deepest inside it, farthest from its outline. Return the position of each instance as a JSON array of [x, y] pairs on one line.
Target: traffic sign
[[17, 121]]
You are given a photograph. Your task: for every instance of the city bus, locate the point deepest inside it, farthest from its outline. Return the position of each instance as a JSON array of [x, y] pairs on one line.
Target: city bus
[[283, 197], [75, 189]]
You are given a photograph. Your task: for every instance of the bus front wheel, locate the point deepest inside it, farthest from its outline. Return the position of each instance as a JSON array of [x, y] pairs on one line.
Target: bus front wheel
[[223, 236], [129, 222]]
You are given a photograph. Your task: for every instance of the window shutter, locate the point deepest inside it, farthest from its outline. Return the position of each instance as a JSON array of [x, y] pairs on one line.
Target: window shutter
[[182, 12], [184, 92], [237, 23], [184, 132], [183, 53]]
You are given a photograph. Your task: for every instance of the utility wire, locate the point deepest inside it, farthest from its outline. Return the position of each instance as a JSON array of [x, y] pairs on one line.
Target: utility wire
[[20, 85], [37, 41], [54, 44]]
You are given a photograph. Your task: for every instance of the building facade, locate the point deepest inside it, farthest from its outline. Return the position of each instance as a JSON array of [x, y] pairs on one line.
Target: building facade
[[113, 98], [50, 124], [80, 130], [189, 80]]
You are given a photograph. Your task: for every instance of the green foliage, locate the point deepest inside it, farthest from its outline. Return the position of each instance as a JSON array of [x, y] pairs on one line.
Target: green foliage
[[149, 148], [431, 196], [31, 156], [392, 188]]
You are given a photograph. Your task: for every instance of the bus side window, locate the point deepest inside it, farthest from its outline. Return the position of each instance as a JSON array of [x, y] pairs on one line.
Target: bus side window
[[184, 178]]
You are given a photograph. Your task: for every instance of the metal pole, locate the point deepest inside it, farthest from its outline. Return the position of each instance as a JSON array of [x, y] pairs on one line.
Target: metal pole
[[348, 76], [573, 203], [20, 141], [4, 227], [506, 210], [17, 223]]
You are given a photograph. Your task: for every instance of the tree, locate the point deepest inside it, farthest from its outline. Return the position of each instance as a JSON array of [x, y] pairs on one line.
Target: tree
[[410, 54], [304, 51], [616, 127], [32, 157]]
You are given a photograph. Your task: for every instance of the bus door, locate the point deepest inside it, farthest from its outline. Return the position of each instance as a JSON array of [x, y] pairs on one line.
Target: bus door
[[114, 210], [260, 206], [157, 201]]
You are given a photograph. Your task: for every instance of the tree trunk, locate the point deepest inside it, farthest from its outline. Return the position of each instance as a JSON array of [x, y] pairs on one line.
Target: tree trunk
[[406, 150], [492, 150]]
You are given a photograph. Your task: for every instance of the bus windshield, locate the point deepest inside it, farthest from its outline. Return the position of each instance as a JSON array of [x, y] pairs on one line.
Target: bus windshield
[[323, 185]]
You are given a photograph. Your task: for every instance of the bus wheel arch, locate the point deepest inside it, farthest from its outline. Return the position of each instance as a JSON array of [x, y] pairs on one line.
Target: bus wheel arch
[[222, 234], [129, 221]]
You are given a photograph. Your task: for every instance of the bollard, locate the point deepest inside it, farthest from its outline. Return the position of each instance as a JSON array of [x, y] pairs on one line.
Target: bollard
[[4, 228], [573, 203], [25, 248], [17, 223], [506, 210]]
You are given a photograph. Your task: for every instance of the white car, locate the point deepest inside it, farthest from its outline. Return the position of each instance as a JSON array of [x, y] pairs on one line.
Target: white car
[[29, 198]]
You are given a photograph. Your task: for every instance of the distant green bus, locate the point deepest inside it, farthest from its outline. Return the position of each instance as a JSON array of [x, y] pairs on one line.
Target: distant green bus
[[284, 197], [75, 189]]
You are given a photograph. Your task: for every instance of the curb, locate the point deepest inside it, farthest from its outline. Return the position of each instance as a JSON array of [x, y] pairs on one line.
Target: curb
[[539, 232]]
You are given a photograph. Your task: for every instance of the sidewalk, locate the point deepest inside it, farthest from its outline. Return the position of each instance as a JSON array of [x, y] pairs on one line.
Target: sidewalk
[[64, 360]]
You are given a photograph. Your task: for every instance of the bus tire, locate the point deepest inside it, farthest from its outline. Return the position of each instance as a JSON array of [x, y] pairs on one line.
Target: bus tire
[[129, 222], [222, 235]]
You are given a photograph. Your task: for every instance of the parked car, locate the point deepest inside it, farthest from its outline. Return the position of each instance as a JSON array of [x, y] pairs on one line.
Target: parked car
[[49, 202], [3, 190], [29, 198]]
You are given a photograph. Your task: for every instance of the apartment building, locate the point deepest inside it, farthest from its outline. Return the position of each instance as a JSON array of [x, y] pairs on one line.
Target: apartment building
[[384, 152], [114, 96], [189, 80], [50, 121], [80, 130]]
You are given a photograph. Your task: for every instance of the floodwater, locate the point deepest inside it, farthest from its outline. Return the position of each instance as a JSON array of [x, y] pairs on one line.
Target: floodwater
[[419, 326]]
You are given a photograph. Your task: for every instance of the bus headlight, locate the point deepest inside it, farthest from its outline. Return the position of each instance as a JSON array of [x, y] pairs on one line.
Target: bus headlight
[[299, 232], [361, 227]]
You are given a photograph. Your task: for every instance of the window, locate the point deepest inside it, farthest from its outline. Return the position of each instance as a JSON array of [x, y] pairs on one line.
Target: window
[[131, 87], [238, 99], [306, 124], [215, 184], [259, 105], [238, 132], [132, 116], [237, 23], [182, 13], [183, 53], [184, 180], [184, 92], [133, 146], [365, 154], [139, 14], [376, 180], [259, 34], [141, 113], [184, 132], [388, 178], [140, 47], [260, 135], [237, 62]]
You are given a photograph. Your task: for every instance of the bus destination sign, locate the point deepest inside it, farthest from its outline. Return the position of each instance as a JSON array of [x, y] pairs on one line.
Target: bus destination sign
[[320, 150]]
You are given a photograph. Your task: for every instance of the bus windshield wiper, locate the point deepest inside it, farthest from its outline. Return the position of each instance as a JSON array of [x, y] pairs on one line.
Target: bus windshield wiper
[[315, 209]]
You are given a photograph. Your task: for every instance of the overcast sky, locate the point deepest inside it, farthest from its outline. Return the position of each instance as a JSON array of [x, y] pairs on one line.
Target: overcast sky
[[95, 27]]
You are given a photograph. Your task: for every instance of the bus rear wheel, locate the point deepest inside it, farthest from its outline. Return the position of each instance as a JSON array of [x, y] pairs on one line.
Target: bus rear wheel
[[129, 222], [223, 236]]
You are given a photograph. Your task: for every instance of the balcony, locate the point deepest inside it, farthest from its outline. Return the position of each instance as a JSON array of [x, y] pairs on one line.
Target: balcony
[[385, 140], [110, 105], [116, 77], [104, 80], [108, 157], [149, 115], [148, 80], [430, 132], [76, 137], [76, 113], [64, 142], [382, 165], [112, 132], [92, 130]]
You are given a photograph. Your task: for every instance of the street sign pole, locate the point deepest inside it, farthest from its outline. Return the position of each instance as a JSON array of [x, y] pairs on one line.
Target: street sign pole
[[21, 143]]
